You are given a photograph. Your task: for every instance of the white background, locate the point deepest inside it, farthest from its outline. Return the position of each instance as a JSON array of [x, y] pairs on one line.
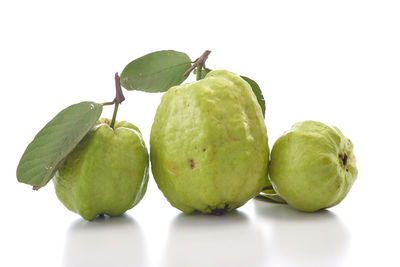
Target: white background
[[333, 61]]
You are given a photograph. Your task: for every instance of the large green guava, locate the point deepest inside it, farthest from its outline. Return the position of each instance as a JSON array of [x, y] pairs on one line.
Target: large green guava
[[208, 145], [312, 166], [106, 173]]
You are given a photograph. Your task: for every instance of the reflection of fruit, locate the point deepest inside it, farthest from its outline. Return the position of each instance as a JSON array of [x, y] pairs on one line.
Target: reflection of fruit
[[107, 172], [234, 231], [105, 242], [303, 239], [312, 166], [209, 147]]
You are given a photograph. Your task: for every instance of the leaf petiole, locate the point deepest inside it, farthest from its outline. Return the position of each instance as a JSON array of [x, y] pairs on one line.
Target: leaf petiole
[[119, 98]]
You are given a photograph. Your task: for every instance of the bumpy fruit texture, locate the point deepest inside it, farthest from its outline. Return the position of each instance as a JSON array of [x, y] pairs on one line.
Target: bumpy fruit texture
[[208, 145], [312, 166], [106, 173]]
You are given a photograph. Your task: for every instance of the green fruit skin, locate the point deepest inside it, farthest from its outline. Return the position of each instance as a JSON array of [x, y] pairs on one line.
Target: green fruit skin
[[307, 168], [208, 144], [107, 173]]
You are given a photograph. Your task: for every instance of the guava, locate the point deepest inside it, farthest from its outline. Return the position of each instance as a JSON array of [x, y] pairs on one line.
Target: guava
[[312, 166], [208, 144], [107, 172]]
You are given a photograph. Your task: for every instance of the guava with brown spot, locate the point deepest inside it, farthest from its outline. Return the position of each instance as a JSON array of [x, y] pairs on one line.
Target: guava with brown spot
[[208, 145], [312, 166]]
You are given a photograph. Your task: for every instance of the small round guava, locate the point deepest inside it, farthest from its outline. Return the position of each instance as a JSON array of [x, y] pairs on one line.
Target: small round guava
[[106, 173], [312, 166], [208, 145]]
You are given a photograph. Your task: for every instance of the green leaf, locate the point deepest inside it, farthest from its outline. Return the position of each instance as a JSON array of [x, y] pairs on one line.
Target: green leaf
[[257, 92], [55, 141], [272, 197], [156, 72], [269, 193]]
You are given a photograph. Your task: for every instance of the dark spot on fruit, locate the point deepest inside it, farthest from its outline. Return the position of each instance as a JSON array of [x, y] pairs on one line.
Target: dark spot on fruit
[[347, 170], [192, 164], [344, 159], [267, 187], [204, 150], [218, 212]]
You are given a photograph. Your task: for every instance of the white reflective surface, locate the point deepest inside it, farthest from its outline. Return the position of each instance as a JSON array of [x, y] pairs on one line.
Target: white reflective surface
[[231, 240], [106, 241], [302, 239], [273, 234]]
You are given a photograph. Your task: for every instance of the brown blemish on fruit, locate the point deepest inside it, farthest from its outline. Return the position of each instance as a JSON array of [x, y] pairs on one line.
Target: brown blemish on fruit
[[106, 121], [192, 164], [230, 136], [204, 150], [218, 212], [344, 159]]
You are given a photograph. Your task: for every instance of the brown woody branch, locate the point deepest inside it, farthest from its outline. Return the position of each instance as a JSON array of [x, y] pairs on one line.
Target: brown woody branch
[[198, 62]]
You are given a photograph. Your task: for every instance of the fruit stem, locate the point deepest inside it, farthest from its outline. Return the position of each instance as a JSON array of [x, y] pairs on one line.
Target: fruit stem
[[199, 63], [198, 74], [119, 98], [114, 115]]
